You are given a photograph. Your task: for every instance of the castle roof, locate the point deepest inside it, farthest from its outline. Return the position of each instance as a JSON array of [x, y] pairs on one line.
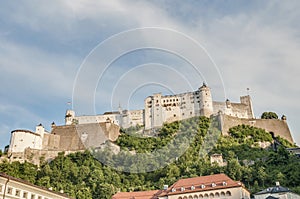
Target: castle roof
[[24, 131]]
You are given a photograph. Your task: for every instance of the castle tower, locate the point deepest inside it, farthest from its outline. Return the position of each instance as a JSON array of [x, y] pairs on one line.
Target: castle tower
[[157, 117], [247, 101], [206, 104], [70, 115]]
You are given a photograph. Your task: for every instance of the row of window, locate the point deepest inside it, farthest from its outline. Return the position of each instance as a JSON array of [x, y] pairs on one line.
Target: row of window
[[21, 194], [201, 186], [210, 195]]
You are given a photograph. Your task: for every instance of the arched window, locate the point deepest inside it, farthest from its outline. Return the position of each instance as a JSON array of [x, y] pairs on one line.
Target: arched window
[[228, 193], [190, 197], [184, 197], [200, 196], [222, 194], [195, 197], [206, 195], [217, 195], [180, 197], [211, 195]]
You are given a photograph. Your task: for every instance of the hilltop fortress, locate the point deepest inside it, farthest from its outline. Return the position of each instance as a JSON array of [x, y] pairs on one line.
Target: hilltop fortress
[[159, 109], [81, 132]]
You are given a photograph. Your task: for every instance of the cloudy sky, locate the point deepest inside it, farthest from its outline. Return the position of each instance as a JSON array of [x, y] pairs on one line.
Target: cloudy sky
[[45, 46]]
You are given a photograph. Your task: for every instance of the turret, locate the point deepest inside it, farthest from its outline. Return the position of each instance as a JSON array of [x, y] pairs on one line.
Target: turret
[[206, 105], [39, 129], [247, 101], [70, 115]]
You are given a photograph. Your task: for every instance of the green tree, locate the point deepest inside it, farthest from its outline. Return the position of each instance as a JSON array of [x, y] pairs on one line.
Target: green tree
[[269, 115]]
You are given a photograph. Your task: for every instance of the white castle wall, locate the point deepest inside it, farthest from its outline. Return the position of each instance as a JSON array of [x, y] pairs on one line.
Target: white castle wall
[[22, 139]]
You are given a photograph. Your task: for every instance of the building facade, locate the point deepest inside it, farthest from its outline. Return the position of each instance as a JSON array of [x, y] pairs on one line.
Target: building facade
[[13, 188], [160, 109], [276, 192], [213, 186]]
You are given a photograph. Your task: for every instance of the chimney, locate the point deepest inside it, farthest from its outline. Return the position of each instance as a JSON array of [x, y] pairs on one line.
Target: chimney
[[166, 187]]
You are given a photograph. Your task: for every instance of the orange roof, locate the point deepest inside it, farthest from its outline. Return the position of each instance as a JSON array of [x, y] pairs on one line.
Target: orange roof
[[189, 185], [137, 195], [202, 183]]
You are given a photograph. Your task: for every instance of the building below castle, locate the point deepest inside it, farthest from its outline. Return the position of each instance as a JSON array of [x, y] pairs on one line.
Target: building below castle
[[11, 187], [213, 186]]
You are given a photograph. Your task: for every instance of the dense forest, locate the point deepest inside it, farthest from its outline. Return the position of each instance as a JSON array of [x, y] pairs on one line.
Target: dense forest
[[82, 175]]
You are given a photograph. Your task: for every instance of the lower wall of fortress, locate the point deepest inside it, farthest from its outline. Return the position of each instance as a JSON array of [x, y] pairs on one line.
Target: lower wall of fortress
[[278, 127]]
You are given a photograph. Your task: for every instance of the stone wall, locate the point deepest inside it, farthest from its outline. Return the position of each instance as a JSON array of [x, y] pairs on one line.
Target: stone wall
[[278, 127]]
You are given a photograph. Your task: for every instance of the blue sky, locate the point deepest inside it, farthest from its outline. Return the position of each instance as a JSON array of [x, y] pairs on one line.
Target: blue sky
[[255, 44]]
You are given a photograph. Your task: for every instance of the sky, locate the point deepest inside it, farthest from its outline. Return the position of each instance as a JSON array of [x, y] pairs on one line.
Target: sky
[[46, 46]]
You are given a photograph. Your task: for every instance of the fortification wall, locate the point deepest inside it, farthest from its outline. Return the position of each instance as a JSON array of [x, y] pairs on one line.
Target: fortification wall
[[278, 127]]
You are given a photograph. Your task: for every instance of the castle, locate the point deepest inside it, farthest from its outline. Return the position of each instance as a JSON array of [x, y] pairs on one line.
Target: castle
[[159, 109], [81, 132]]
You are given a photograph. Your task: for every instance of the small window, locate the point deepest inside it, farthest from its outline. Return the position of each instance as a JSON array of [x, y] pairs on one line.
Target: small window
[[32, 196], [18, 192], [25, 194], [1, 186], [9, 190], [39, 197]]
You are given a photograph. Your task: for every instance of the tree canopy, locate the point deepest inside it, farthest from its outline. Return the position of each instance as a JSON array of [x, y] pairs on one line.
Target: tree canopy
[[269, 115]]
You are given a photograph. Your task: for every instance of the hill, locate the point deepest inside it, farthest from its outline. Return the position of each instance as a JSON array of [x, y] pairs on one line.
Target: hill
[[82, 176]]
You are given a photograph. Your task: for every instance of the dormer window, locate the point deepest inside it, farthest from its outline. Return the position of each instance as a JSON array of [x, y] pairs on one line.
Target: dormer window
[[213, 184], [224, 183], [173, 190], [182, 189], [193, 187], [202, 186]]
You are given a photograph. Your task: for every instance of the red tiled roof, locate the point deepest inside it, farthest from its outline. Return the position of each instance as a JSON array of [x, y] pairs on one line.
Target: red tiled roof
[[211, 182], [137, 195], [189, 185]]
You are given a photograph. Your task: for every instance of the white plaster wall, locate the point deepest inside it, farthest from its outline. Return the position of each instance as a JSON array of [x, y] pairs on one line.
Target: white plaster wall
[[22, 139]]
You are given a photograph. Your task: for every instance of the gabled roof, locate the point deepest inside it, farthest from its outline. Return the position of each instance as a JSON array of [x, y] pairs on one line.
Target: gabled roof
[[276, 189], [202, 183], [32, 185], [137, 195]]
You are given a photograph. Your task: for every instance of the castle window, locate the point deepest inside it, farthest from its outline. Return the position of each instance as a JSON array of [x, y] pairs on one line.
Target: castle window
[[156, 101], [32, 196], [182, 113], [39, 197], [174, 115], [191, 112]]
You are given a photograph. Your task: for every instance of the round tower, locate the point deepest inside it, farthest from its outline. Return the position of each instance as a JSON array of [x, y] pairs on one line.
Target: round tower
[[206, 104], [70, 115]]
